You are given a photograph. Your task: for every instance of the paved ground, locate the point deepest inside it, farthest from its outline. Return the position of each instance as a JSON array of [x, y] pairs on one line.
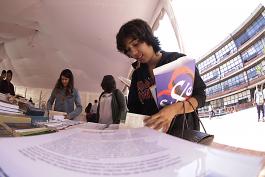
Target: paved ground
[[239, 129]]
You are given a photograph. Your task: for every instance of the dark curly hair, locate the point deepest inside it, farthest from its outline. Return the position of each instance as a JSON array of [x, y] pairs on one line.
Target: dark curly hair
[[136, 29]]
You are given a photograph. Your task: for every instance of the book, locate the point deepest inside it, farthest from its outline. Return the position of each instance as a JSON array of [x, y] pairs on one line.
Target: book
[[153, 92], [8, 105], [17, 112], [174, 81], [56, 113], [140, 152], [33, 131], [58, 117], [22, 129], [134, 120], [5, 130], [32, 111], [36, 119], [14, 119]]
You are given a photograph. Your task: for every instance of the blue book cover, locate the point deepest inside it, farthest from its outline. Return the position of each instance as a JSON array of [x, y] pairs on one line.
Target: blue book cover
[[174, 81]]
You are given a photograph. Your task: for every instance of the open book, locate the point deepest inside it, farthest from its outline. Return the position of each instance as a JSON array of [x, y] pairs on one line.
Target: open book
[[174, 81]]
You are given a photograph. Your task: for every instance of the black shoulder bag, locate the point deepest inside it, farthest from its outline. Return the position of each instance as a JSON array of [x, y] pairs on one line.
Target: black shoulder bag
[[193, 135]]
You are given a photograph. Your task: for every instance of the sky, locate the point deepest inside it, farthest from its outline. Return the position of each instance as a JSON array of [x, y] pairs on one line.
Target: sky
[[206, 23]]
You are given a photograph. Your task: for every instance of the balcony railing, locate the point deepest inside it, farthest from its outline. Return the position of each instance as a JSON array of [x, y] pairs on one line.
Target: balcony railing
[[246, 44], [254, 81], [225, 92]]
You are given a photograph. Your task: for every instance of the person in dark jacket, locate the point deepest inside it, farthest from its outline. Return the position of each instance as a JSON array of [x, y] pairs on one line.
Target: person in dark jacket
[[111, 107], [6, 86], [88, 112], [135, 39], [3, 75]]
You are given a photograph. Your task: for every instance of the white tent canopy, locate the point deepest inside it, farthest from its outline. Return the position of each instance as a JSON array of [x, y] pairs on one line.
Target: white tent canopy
[[39, 38]]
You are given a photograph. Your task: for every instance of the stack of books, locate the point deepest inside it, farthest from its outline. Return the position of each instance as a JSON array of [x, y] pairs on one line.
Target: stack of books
[[9, 108], [20, 125]]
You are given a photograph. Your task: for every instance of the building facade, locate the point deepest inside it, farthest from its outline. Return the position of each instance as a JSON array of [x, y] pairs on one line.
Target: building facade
[[233, 68]]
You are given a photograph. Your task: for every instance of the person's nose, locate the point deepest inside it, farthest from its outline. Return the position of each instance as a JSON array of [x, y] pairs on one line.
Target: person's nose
[[134, 52]]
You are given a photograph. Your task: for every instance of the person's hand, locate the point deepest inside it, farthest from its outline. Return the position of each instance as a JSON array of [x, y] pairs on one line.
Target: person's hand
[[162, 119], [67, 116]]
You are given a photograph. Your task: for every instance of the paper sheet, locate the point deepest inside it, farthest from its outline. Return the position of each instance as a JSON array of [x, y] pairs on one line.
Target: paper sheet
[[128, 152], [134, 120]]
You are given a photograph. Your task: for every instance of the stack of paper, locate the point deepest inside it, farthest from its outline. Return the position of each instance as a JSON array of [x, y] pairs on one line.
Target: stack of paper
[[9, 108], [59, 124], [125, 153]]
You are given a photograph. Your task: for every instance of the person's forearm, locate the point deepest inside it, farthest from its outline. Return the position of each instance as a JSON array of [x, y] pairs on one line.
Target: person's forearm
[[75, 113], [179, 109]]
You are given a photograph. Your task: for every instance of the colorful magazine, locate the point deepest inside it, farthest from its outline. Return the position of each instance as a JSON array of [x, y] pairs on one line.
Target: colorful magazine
[[174, 81]]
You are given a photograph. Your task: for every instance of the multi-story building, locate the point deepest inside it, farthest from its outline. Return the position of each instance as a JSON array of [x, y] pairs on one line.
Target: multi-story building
[[233, 68]]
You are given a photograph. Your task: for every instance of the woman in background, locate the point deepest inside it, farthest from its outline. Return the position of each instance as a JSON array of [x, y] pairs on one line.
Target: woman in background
[[65, 96]]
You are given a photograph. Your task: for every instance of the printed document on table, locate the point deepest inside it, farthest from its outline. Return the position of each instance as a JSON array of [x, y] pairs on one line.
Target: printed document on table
[[138, 152]]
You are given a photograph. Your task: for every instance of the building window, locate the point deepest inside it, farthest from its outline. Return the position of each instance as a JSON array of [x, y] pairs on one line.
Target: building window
[[256, 26], [234, 82], [207, 63], [252, 74], [252, 51], [212, 75], [225, 51], [253, 29], [232, 65], [242, 39], [213, 90], [242, 97], [255, 72], [263, 67]]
